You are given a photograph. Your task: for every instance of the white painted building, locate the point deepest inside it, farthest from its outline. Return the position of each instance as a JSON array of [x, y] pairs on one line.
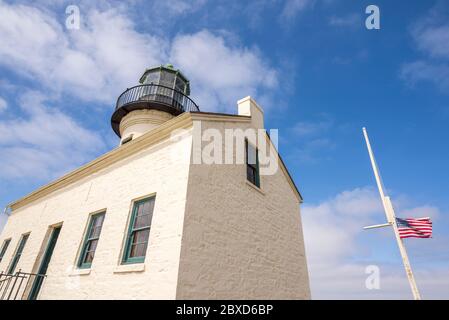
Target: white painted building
[[155, 218]]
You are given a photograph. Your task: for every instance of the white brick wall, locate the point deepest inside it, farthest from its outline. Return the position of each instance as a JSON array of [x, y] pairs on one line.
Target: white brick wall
[[238, 242], [163, 169]]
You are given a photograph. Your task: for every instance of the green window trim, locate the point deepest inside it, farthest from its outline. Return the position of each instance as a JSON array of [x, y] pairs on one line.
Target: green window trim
[[252, 167], [91, 240], [18, 254], [142, 209], [4, 248]]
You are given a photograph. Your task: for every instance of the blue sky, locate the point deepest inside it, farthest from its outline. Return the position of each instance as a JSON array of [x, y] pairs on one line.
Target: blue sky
[[320, 76]]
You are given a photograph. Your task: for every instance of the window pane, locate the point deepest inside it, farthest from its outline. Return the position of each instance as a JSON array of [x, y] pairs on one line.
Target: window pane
[[97, 223], [251, 155], [89, 257], [91, 239], [19, 251], [250, 174], [139, 210], [144, 214], [92, 245], [142, 221], [4, 248], [145, 207], [90, 252], [95, 232], [151, 206], [138, 250], [252, 170], [180, 85], [140, 236], [152, 77], [98, 220], [167, 79], [22, 243]]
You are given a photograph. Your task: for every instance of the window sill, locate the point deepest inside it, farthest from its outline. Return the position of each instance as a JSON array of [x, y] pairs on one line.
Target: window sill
[[255, 187], [125, 268], [79, 272]]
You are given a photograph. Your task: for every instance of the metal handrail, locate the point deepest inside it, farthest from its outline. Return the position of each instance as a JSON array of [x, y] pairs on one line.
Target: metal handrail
[[159, 94], [8, 292]]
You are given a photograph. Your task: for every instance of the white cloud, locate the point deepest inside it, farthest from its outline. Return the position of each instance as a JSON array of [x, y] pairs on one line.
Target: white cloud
[[312, 128], [175, 8], [45, 143], [311, 139], [431, 35], [338, 250], [421, 212], [330, 226], [433, 40], [221, 74], [108, 54], [3, 104], [349, 20], [293, 7], [311, 151], [94, 63], [417, 71], [29, 38]]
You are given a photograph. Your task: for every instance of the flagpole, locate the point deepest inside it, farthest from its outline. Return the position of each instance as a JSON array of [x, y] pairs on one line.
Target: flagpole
[[391, 218]]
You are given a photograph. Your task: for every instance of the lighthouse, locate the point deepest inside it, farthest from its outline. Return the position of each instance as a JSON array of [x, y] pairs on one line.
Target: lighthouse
[[145, 221], [163, 93]]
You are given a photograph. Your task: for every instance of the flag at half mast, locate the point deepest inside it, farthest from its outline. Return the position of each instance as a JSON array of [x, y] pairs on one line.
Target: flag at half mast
[[414, 228]]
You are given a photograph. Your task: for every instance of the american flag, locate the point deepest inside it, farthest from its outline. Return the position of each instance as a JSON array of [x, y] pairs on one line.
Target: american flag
[[414, 228]]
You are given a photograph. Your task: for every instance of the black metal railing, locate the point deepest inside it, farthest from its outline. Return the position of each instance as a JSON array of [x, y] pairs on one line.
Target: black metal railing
[[16, 286], [158, 94]]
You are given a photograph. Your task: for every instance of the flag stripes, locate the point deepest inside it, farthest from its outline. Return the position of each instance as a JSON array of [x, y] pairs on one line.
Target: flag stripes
[[414, 228]]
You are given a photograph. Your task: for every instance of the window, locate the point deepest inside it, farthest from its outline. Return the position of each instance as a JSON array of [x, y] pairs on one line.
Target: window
[[4, 248], [180, 85], [18, 254], [152, 77], [139, 231], [167, 79], [252, 164], [91, 240]]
